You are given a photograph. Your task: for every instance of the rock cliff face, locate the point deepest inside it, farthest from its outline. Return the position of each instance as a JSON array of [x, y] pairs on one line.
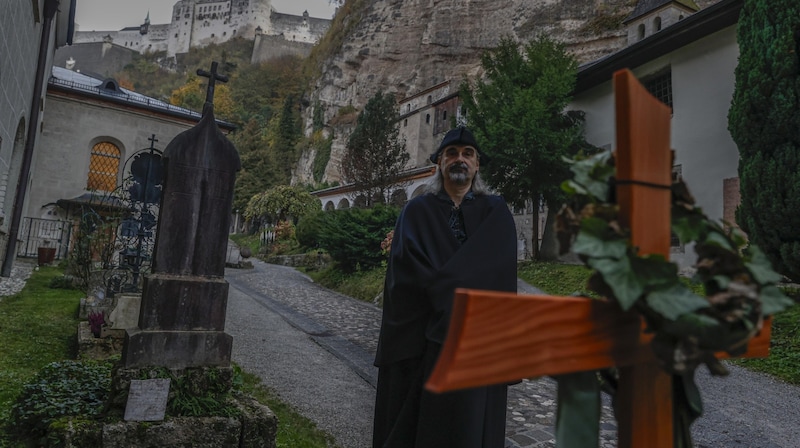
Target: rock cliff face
[[406, 46]]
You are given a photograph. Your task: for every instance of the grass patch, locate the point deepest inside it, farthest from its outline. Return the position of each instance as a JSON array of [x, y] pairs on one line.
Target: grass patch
[[37, 327], [555, 278], [294, 430], [784, 357]]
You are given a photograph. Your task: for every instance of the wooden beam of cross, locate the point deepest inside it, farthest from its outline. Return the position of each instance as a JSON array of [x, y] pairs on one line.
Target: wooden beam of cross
[[213, 77], [500, 337]]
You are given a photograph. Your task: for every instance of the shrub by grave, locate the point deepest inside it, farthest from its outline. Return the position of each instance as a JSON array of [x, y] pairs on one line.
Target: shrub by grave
[[64, 388]]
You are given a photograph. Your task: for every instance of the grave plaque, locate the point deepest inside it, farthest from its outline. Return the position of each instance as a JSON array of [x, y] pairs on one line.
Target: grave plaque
[[147, 400]]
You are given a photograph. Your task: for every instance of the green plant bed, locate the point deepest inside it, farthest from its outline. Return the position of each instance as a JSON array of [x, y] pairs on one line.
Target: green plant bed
[[555, 278], [784, 358], [362, 285], [253, 242]]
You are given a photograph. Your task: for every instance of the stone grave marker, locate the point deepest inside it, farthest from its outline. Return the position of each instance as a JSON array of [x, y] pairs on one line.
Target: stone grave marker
[[147, 400], [182, 314]]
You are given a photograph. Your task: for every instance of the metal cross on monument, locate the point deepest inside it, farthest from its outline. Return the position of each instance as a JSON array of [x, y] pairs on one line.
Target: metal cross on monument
[[213, 77], [499, 337]]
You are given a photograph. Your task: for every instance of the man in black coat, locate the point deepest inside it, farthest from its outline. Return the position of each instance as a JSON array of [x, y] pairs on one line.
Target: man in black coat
[[457, 235]]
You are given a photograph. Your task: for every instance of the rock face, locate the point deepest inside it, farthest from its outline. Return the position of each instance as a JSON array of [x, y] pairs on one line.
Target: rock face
[[407, 46]]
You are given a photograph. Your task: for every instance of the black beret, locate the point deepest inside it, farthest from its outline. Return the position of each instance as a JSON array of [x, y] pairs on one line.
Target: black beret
[[459, 136]]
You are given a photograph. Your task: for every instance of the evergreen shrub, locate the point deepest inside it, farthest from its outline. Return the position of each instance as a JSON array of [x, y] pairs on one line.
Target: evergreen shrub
[[308, 229], [353, 236]]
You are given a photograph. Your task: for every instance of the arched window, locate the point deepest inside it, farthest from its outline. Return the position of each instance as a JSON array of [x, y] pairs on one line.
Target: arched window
[[444, 116], [427, 118], [641, 31], [103, 167], [657, 23]]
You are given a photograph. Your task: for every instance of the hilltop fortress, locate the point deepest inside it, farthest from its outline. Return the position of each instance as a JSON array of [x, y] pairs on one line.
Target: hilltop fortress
[[197, 23]]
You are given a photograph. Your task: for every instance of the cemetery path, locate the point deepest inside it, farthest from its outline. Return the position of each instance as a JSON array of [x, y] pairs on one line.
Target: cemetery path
[[315, 347]]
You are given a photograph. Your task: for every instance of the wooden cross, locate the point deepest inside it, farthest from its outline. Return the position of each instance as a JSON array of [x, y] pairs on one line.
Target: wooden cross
[[213, 77], [500, 337]]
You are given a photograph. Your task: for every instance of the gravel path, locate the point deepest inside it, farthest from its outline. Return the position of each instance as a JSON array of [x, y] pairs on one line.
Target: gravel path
[[315, 347]]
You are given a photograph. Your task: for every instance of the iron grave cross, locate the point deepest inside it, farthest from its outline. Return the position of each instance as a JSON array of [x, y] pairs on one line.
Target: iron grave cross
[[499, 337], [213, 77]]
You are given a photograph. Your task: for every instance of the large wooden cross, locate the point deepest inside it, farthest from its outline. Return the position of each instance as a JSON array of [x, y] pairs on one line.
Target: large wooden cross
[[500, 337]]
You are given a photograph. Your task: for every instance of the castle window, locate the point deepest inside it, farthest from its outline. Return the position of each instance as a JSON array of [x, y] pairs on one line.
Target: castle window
[[641, 31], [427, 118], [444, 115], [405, 123], [429, 99], [103, 167], [657, 23], [660, 85], [212, 34], [176, 35], [224, 33]]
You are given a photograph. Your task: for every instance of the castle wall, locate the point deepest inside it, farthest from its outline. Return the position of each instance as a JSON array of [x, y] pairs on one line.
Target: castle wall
[[271, 47], [198, 23]]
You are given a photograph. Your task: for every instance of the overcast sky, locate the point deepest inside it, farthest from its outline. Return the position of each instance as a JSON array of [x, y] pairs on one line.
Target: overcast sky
[[110, 15]]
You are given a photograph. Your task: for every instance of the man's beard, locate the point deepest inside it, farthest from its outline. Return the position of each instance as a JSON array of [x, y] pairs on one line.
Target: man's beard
[[457, 173]]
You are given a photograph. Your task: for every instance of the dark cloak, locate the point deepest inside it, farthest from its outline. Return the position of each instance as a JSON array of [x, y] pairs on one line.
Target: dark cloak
[[426, 264]]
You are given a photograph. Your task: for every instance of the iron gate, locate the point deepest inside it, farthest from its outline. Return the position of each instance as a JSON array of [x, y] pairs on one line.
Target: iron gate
[[37, 232]]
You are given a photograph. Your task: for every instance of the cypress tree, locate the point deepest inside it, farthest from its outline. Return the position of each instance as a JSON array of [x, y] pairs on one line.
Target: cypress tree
[[764, 121]]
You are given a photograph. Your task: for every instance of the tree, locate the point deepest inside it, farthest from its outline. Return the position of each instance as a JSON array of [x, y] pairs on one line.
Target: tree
[[375, 155], [518, 117], [763, 121], [282, 154], [281, 203]]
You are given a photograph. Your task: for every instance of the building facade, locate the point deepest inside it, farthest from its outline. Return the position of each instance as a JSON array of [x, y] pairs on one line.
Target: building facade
[[92, 133], [30, 31]]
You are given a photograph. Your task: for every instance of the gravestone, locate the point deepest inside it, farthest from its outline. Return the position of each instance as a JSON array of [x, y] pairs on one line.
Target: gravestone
[[184, 300]]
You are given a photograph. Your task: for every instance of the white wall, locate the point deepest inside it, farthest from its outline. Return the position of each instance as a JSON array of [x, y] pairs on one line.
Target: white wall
[[703, 84]]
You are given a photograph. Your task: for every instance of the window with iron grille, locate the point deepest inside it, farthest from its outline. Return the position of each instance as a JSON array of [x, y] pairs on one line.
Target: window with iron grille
[[660, 86], [103, 167]]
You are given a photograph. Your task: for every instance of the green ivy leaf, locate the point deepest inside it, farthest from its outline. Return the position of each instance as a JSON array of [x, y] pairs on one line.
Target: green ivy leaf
[[675, 301], [722, 281], [619, 276], [773, 300], [688, 228], [593, 173], [655, 271], [760, 267], [572, 188], [596, 240], [703, 327], [718, 239]]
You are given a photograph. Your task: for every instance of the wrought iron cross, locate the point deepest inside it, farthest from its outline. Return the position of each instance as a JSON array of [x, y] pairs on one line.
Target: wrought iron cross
[[153, 141], [213, 77]]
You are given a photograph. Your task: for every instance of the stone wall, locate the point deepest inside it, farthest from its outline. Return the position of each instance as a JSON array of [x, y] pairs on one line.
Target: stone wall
[[268, 47]]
